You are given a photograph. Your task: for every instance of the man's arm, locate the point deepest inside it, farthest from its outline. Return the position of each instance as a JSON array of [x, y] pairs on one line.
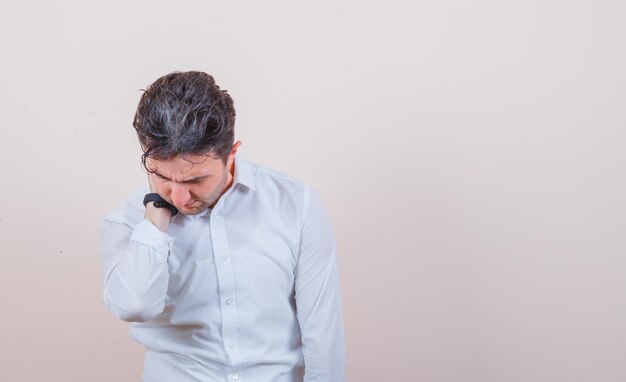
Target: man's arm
[[135, 265], [318, 300]]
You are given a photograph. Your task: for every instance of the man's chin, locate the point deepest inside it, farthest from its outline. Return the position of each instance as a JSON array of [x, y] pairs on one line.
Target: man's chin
[[189, 211]]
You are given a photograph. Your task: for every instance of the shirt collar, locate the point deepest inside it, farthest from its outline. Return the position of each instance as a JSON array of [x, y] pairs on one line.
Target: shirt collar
[[244, 172]]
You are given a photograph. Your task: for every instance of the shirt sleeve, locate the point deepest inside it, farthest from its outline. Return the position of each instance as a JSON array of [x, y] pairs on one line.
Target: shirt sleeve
[[135, 269], [318, 299]]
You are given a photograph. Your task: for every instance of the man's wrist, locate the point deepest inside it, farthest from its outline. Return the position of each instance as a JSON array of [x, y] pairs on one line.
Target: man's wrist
[[158, 211], [160, 217], [157, 201]]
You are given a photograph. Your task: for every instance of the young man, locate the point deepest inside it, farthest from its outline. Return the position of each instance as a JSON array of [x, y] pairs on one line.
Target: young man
[[228, 269]]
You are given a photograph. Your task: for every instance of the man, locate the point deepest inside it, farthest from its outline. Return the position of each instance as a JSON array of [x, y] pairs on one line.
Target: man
[[227, 268]]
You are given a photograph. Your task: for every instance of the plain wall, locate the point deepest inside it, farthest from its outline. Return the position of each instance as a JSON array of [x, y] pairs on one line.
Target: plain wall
[[471, 156]]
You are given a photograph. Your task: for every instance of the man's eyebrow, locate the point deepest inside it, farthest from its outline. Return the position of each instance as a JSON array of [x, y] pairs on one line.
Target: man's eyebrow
[[197, 178], [161, 176]]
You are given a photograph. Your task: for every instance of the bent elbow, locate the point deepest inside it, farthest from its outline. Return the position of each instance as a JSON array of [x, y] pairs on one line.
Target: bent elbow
[[135, 310]]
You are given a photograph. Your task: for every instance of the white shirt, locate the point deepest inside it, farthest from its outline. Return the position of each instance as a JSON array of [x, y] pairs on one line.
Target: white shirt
[[247, 291]]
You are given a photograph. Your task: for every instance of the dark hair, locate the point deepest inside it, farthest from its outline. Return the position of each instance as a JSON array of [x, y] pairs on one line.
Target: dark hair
[[185, 113]]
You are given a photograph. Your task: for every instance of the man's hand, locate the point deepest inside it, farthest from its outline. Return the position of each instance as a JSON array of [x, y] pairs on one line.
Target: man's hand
[[160, 217]]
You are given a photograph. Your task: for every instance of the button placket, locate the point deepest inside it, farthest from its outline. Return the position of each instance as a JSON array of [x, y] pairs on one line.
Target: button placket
[[226, 287]]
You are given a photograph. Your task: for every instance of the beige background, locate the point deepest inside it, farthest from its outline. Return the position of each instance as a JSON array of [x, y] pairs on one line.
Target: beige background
[[471, 155]]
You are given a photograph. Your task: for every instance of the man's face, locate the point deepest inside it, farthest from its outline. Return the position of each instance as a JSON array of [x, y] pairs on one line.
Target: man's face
[[191, 182]]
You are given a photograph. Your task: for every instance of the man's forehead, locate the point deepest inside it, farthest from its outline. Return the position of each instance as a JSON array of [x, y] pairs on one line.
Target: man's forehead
[[188, 165]]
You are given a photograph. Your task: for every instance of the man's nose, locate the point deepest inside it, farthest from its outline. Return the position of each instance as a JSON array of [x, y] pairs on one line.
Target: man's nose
[[180, 195]]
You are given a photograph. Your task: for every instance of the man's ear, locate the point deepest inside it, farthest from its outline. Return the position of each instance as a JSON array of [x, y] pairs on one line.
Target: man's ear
[[235, 148]]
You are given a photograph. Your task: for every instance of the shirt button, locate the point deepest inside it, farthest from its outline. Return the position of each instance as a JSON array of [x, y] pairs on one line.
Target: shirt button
[[228, 301], [235, 376], [223, 258]]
